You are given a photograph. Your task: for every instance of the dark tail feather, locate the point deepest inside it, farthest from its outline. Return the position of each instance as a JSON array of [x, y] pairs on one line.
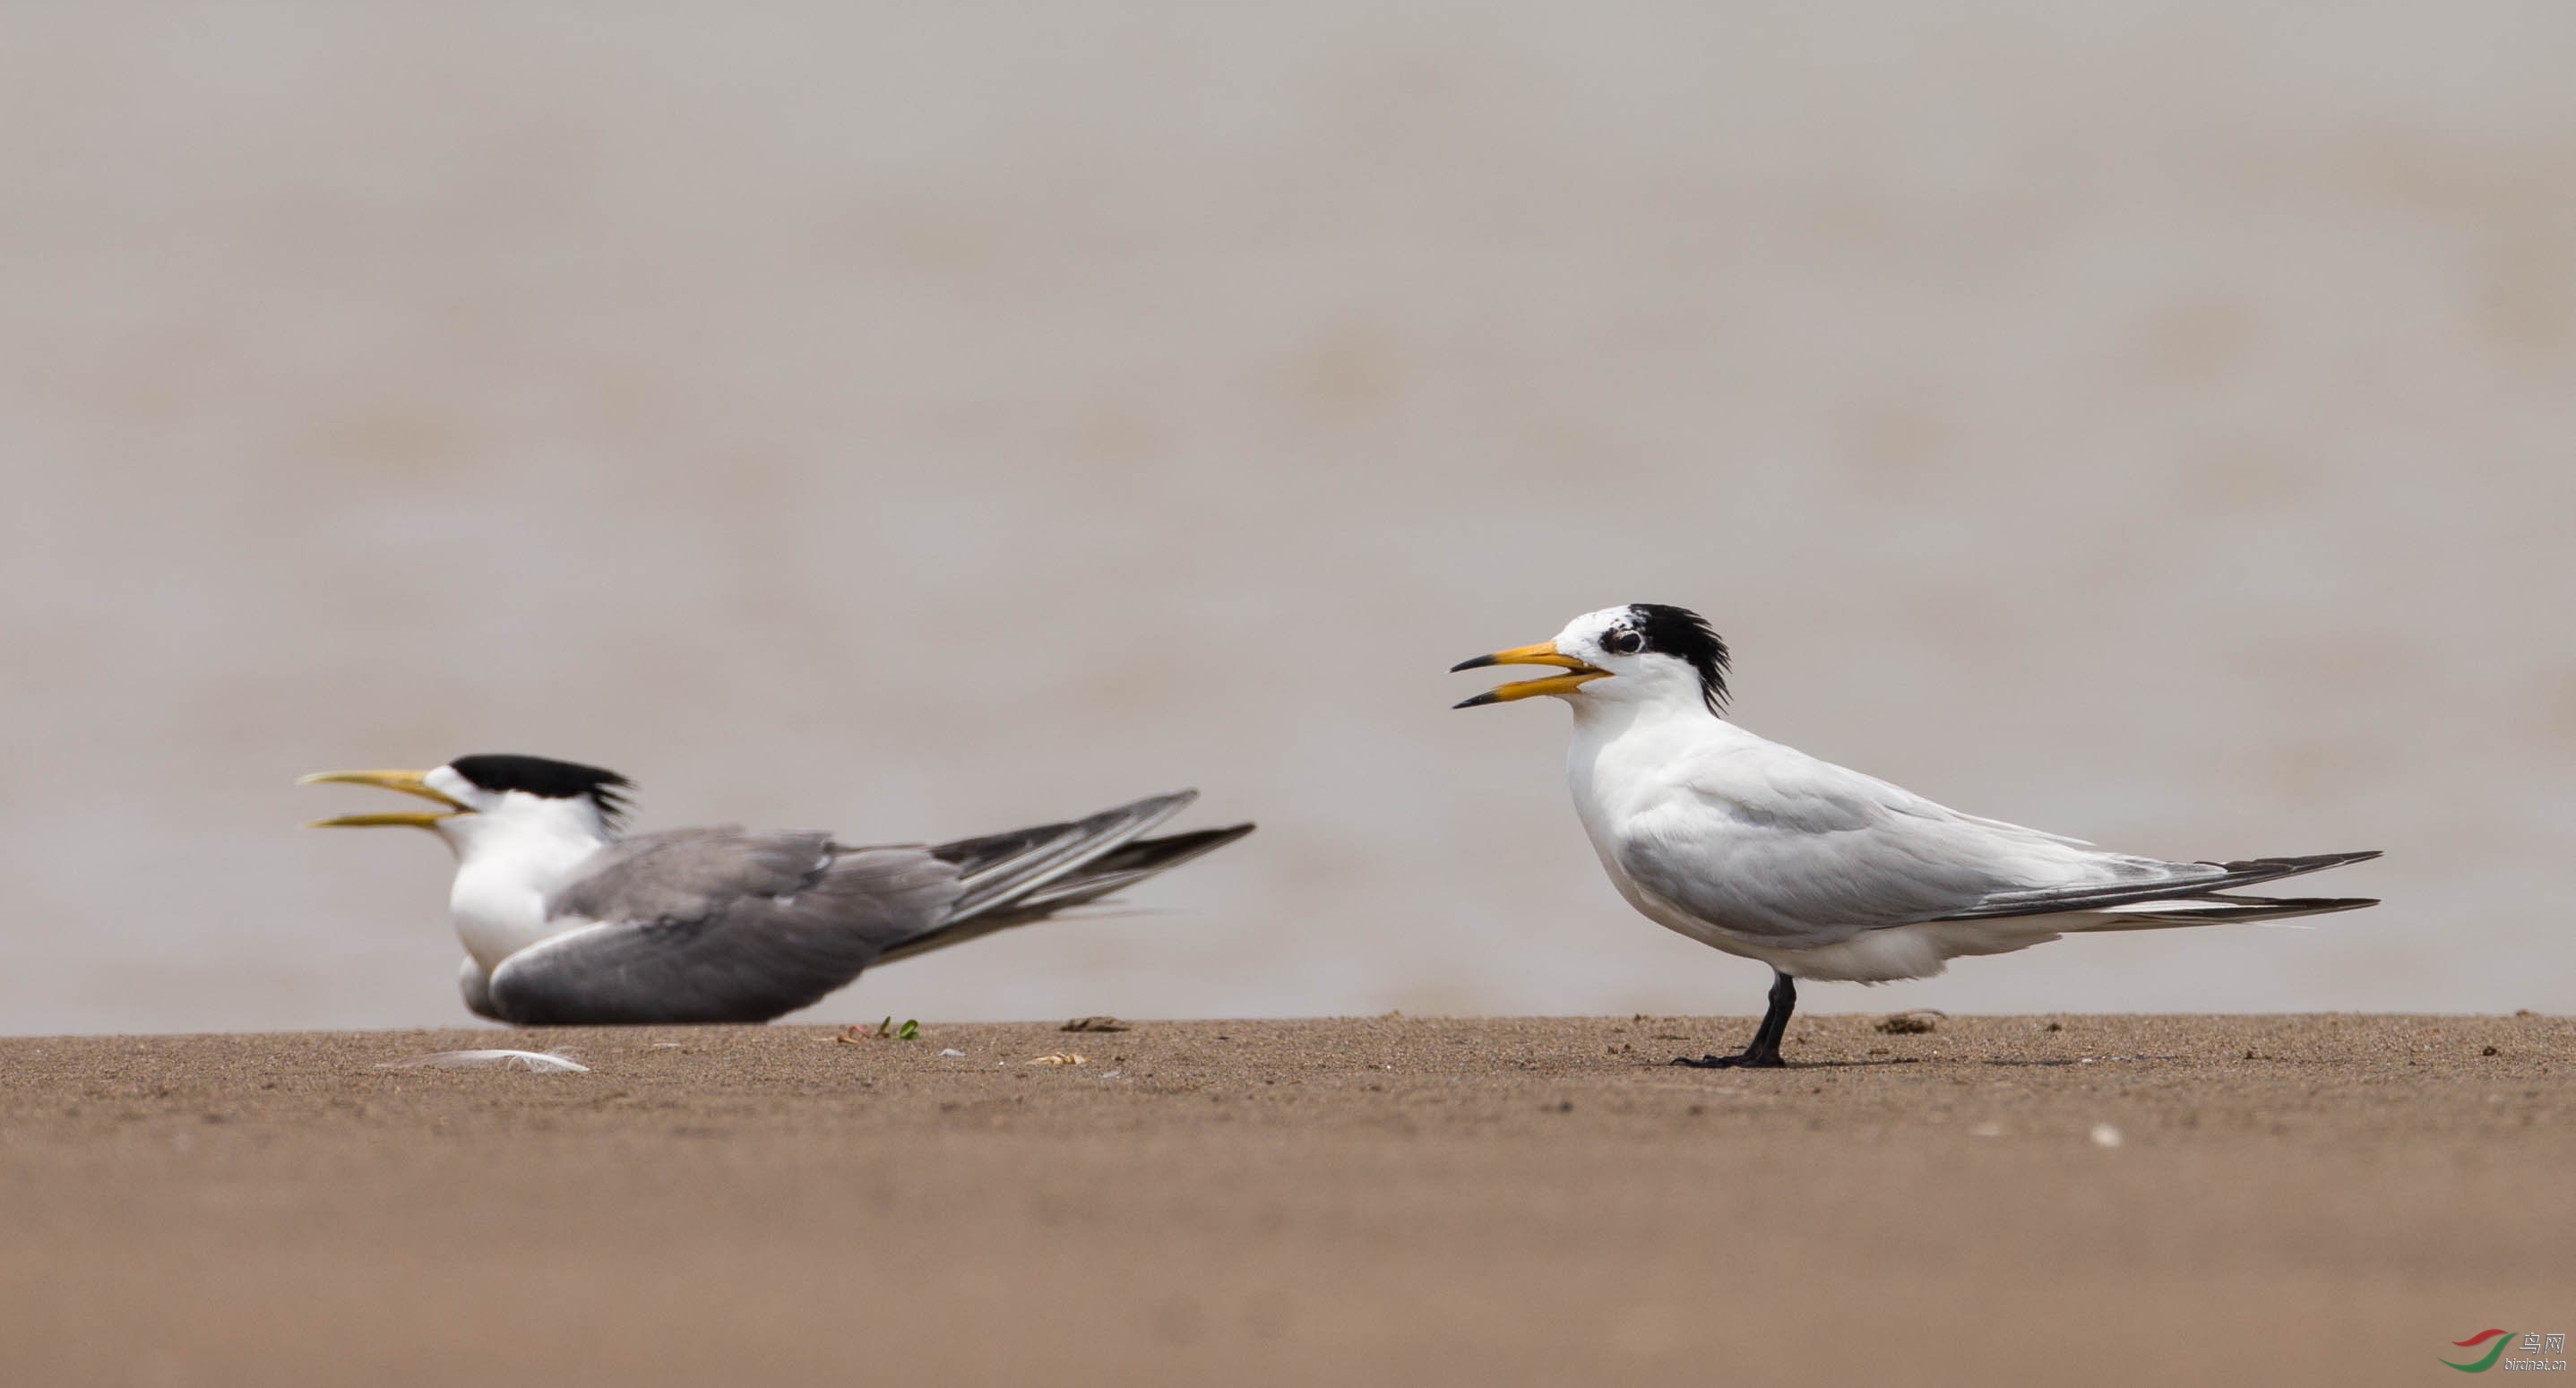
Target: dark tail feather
[[2273, 869], [1029, 874], [999, 869], [1117, 871], [2245, 873], [2211, 908]]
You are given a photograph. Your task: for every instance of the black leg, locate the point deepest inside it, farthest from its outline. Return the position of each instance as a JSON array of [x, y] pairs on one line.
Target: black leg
[[1764, 1053]]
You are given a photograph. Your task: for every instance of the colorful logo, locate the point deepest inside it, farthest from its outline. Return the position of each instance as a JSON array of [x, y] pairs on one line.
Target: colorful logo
[[2502, 1338]]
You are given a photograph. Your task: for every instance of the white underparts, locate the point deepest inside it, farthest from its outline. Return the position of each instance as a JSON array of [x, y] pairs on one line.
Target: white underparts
[[511, 858]]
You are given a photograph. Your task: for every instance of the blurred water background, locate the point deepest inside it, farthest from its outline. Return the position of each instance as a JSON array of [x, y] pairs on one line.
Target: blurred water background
[[2151, 423]]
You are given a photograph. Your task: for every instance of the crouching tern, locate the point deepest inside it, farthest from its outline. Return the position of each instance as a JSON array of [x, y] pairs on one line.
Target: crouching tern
[[565, 921], [1821, 872]]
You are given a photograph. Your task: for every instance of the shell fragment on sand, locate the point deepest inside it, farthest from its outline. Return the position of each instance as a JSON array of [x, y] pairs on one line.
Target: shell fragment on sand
[[539, 1062]]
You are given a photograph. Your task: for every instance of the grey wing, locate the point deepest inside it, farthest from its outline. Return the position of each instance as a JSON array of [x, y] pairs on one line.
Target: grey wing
[[721, 926], [680, 872], [1797, 852], [1795, 885]]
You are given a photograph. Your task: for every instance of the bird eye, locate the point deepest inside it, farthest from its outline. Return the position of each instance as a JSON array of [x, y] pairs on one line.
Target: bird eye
[[1623, 641]]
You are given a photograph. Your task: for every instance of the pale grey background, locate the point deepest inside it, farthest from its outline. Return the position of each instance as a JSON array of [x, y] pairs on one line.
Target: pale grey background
[[2147, 423]]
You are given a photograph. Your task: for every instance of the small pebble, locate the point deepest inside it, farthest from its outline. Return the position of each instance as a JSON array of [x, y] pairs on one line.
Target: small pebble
[[2104, 1135]]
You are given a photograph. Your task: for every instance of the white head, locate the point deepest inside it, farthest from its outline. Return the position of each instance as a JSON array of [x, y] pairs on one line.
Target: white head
[[1644, 652], [499, 801]]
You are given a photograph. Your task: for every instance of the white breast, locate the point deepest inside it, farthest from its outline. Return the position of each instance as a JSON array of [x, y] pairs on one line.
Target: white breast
[[506, 871], [499, 914], [1618, 765]]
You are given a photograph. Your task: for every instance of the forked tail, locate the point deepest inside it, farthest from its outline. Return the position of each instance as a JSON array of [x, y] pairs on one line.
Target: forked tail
[[1029, 874]]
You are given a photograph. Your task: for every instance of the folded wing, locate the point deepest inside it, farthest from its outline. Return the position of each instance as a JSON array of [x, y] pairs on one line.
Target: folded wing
[[1791, 851], [721, 926]]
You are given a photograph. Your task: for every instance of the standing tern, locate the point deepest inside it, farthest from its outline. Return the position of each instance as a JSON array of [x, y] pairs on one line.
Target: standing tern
[[565, 921], [1821, 872]]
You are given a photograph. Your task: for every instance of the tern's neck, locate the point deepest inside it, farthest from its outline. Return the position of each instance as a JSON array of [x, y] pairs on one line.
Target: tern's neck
[[1623, 750], [508, 866], [1599, 719]]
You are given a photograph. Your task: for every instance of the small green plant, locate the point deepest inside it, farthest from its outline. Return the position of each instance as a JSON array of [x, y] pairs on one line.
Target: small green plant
[[886, 1030]]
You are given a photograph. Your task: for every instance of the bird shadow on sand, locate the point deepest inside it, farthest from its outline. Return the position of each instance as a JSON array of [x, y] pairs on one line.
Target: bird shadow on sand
[[1876, 1061]]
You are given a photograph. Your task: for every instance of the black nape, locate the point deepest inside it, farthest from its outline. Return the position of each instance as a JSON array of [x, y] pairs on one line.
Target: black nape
[[1686, 636]]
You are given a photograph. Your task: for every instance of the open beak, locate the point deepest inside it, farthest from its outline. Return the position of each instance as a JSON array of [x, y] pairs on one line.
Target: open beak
[[1544, 653], [408, 782]]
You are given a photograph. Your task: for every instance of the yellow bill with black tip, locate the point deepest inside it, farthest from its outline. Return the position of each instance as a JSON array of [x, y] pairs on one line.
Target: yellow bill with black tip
[[1544, 653]]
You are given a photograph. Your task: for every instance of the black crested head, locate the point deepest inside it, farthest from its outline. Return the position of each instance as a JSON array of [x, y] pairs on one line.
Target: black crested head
[[544, 776], [1686, 636]]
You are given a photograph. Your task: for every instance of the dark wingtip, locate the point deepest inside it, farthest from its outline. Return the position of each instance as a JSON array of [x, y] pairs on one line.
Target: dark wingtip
[[2305, 905], [1473, 663], [1478, 701], [2293, 866], [1217, 837]]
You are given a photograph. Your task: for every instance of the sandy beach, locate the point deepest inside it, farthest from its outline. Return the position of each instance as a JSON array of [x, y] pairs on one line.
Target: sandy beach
[[2147, 423], [2077, 1198]]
